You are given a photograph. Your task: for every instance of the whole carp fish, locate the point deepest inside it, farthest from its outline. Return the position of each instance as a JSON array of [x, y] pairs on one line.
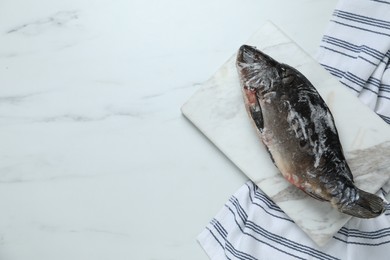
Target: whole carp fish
[[299, 132]]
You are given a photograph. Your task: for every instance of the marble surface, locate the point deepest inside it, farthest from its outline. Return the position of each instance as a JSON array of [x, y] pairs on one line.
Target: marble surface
[[96, 160], [218, 110]]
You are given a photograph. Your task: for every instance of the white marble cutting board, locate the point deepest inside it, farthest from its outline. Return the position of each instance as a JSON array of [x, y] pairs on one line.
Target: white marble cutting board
[[217, 109]]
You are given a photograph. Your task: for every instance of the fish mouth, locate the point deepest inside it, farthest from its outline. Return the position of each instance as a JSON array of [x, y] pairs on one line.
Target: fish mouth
[[249, 55]]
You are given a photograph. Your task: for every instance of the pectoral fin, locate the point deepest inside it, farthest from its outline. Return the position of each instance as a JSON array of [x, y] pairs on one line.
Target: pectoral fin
[[257, 117]]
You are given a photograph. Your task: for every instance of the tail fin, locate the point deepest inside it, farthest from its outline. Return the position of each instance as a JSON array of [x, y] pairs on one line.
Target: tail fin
[[367, 206]]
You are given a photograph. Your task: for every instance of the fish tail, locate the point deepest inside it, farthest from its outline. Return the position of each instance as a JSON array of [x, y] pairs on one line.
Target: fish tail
[[367, 205]]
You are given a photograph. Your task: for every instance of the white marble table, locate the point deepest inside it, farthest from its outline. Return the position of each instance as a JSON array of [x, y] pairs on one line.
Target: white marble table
[[96, 160]]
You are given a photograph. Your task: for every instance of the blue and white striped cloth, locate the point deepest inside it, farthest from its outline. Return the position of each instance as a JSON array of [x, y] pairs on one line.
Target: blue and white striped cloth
[[355, 49], [251, 226]]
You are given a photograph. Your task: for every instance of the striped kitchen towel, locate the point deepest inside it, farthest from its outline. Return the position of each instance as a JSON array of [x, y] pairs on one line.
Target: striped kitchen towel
[[356, 49], [251, 226]]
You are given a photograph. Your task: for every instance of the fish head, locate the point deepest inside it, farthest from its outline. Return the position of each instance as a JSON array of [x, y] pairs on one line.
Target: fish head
[[250, 55], [256, 69]]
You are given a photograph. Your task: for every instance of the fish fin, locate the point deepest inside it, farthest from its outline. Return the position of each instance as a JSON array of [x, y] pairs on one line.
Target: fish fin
[[367, 206], [314, 196], [270, 155], [257, 117]]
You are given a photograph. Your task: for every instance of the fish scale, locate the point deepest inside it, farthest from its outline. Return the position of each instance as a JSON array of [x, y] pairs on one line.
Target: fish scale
[[299, 132]]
